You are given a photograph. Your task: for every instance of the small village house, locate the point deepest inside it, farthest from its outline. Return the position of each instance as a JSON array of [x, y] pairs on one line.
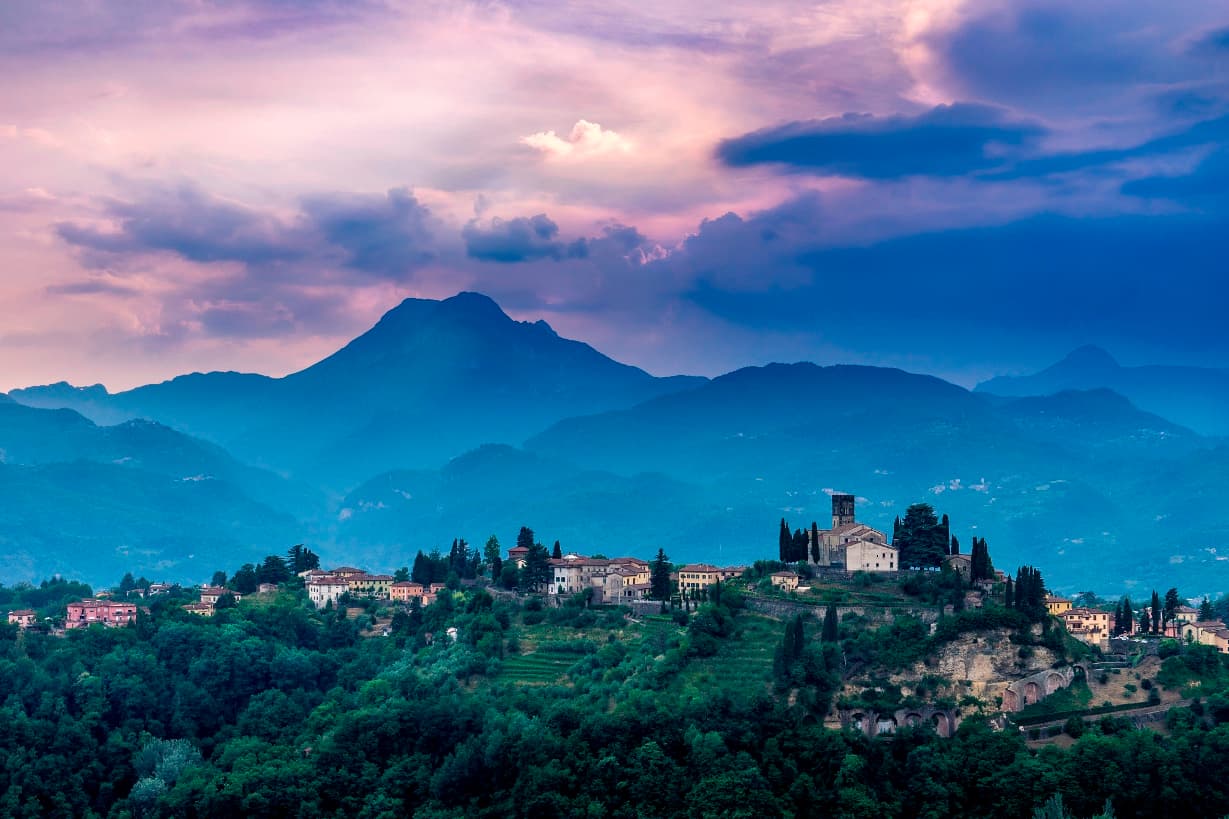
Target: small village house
[[22, 618], [786, 581]]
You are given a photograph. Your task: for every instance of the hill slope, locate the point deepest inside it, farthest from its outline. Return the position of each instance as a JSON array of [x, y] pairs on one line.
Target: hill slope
[[1192, 396], [429, 381]]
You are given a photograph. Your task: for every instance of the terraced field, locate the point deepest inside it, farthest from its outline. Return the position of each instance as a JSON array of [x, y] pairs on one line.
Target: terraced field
[[542, 667], [744, 663]]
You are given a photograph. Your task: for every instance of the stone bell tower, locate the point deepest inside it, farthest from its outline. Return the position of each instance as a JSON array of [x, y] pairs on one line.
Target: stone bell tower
[[842, 510]]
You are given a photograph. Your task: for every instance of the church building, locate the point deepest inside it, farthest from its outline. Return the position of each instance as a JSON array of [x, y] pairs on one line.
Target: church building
[[847, 538]]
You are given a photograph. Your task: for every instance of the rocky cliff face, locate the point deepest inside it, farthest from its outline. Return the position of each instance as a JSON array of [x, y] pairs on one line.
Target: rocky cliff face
[[982, 664]]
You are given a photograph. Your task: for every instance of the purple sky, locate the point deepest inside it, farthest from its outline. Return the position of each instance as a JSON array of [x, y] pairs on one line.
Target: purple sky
[[963, 188]]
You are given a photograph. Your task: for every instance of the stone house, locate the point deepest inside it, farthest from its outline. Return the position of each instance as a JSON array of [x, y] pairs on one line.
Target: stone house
[[869, 556], [786, 581]]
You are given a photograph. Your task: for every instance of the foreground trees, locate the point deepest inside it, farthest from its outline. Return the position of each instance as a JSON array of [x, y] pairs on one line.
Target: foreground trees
[[279, 710]]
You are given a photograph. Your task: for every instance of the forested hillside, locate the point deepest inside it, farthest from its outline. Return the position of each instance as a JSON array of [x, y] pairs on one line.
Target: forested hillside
[[272, 709]]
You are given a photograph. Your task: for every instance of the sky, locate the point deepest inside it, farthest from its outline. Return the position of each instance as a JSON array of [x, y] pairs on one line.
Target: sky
[[959, 188]]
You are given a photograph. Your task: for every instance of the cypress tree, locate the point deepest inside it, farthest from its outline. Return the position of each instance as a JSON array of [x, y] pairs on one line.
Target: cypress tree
[[557, 552], [1156, 612], [659, 576], [800, 636], [784, 542], [1206, 612], [814, 542], [831, 632], [1128, 616], [955, 549], [1009, 598]]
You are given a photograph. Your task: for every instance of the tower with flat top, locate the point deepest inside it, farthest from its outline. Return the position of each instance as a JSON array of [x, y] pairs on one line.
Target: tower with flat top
[[842, 510]]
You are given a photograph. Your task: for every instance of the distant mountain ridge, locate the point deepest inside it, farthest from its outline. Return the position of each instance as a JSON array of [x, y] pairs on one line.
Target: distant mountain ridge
[[450, 419], [1194, 397], [79, 498], [429, 380]]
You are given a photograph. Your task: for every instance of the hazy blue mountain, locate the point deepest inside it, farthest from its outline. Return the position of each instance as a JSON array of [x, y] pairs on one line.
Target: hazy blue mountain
[[430, 380], [1192, 396], [32, 436], [95, 502], [96, 521], [1073, 482]]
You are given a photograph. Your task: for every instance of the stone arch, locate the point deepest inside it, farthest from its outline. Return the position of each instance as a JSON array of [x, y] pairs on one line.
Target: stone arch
[[1032, 692], [943, 725], [885, 725], [858, 722], [1011, 700], [913, 720], [1054, 682]]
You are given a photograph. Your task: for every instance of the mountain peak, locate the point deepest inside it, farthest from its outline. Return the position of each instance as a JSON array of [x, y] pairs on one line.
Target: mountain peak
[[1088, 358]]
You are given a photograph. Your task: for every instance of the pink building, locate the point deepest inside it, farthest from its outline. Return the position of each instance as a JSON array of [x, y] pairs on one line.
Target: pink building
[[107, 612], [406, 590], [23, 618]]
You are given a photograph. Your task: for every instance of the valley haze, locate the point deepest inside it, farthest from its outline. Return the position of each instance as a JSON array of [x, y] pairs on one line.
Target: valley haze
[[450, 419]]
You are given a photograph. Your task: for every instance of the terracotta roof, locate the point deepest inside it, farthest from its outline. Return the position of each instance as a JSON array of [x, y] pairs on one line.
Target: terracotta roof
[[785, 574], [328, 581], [23, 612]]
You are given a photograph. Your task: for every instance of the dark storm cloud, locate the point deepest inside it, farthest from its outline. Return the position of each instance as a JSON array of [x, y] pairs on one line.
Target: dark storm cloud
[[948, 140], [1214, 43], [385, 237], [191, 224], [519, 240], [1046, 277]]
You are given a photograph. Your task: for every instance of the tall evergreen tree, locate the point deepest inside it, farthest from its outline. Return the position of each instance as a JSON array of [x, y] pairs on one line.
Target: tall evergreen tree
[[1128, 616], [1206, 612], [831, 632], [1172, 601], [1009, 594], [800, 637], [1156, 612], [537, 572], [955, 549], [921, 540], [659, 576], [785, 543], [490, 553], [815, 550], [798, 547], [525, 538], [557, 552]]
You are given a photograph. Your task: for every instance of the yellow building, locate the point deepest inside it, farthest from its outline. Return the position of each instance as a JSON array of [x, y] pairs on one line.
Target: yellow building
[[786, 581], [1057, 606], [370, 585], [696, 576], [1091, 626]]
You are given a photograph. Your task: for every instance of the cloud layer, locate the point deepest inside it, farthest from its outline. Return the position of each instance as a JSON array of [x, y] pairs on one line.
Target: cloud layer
[[963, 188]]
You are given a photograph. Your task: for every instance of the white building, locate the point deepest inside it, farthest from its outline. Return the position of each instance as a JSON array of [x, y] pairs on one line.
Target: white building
[[868, 556], [324, 590]]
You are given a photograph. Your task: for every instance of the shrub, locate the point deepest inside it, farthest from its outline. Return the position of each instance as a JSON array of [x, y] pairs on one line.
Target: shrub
[[1074, 727]]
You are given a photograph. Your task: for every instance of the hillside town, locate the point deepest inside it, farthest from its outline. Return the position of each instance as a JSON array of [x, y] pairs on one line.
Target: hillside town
[[839, 553]]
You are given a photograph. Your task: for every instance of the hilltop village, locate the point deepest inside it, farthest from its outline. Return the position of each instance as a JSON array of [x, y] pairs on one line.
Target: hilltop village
[[461, 680], [817, 569]]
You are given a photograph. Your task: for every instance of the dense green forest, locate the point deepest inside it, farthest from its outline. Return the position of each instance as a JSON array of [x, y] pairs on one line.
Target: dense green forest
[[272, 709]]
